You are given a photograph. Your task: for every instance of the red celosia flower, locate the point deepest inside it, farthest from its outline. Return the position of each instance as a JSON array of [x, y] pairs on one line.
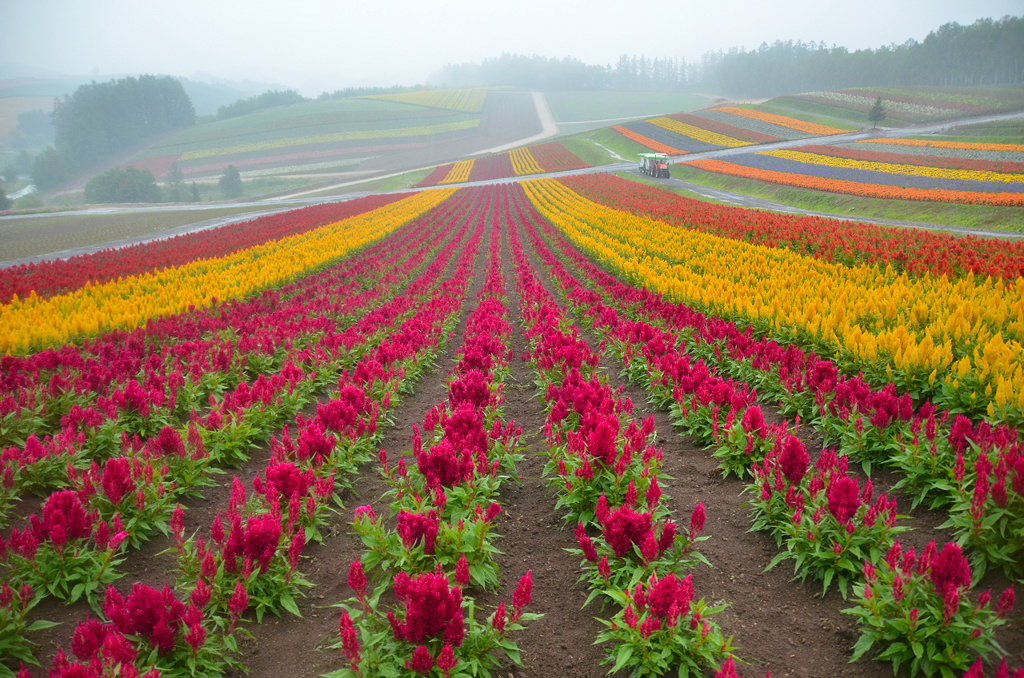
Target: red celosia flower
[[589, 552], [239, 601], [462, 571], [262, 537], [498, 619], [523, 593], [625, 527], [421, 661], [843, 498], [431, 609], [1006, 602], [200, 594], [950, 570], [950, 603], [357, 578], [117, 478], [368, 512], [794, 460], [195, 637], [447, 660], [349, 640], [604, 569], [697, 521], [667, 536], [416, 527]]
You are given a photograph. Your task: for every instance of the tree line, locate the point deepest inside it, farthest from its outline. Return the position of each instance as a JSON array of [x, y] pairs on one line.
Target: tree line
[[988, 52], [101, 119]]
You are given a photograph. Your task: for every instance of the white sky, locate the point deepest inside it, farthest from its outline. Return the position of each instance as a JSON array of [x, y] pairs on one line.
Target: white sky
[[318, 45]]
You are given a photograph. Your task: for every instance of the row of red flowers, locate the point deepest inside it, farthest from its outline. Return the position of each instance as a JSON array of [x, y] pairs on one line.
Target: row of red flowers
[[59, 276], [337, 438]]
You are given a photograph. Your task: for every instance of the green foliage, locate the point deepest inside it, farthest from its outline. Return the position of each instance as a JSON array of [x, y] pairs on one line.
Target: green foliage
[[5, 202], [34, 130], [909, 623], [877, 112], [230, 182], [48, 169], [101, 119], [128, 184], [268, 99]]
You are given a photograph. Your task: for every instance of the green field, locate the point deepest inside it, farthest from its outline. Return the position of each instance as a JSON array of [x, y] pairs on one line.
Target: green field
[[596, 146], [576, 111], [939, 213], [996, 132], [32, 236], [305, 120]]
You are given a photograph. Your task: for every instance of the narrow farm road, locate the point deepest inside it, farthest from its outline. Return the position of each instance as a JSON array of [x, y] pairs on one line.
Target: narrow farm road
[[549, 129]]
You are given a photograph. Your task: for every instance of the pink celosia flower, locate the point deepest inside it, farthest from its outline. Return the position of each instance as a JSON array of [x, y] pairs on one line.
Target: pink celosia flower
[[1006, 602], [499, 618]]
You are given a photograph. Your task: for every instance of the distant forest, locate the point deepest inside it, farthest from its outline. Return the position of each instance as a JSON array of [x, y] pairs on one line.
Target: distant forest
[[987, 52]]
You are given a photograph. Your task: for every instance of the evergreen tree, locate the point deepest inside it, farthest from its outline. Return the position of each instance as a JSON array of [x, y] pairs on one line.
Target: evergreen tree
[[230, 182], [877, 113]]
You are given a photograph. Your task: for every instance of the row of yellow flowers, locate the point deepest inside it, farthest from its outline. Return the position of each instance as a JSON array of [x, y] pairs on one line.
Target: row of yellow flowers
[[334, 137], [523, 162], [459, 172], [32, 323], [937, 143], [927, 334], [697, 133], [782, 121], [896, 168], [468, 100]]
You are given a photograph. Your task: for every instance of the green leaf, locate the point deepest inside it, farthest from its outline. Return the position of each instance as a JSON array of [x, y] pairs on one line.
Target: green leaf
[[622, 657], [288, 603], [864, 644], [41, 624]]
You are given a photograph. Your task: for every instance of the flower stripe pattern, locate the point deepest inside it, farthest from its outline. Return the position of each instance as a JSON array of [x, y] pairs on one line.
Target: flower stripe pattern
[[867, 190], [133, 301]]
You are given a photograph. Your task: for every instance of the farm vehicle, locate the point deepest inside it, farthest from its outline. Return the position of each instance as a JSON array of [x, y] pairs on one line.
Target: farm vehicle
[[654, 164]]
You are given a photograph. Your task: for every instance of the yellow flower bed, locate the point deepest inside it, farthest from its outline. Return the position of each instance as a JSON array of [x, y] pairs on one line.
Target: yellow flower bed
[[469, 100], [458, 173], [964, 334], [783, 121], [523, 162], [270, 144], [697, 133], [32, 323], [896, 168]]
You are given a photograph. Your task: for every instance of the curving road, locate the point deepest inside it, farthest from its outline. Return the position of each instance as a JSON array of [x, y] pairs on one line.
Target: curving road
[[549, 129]]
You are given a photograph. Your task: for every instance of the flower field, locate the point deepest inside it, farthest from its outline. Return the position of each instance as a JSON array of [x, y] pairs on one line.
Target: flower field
[[906, 169], [549, 157], [470, 100], [547, 427], [910, 105], [717, 128]]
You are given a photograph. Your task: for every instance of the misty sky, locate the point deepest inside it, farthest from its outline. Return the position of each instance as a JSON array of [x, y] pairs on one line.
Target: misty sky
[[323, 45]]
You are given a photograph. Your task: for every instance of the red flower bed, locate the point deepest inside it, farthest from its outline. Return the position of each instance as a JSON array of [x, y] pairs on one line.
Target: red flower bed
[[50, 278], [554, 157]]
